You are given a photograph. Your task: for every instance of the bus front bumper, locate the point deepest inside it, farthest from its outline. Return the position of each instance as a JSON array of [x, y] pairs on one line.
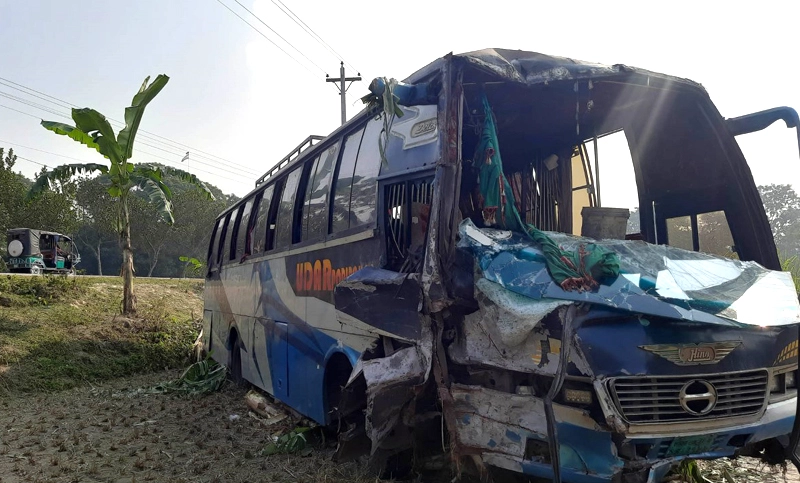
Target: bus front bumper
[[506, 437]]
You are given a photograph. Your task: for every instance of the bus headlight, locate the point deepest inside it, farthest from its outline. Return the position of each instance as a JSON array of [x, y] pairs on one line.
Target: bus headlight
[[576, 396], [776, 383]]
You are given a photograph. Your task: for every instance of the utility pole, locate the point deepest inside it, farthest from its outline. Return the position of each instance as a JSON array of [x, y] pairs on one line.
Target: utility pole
[[342, 88]]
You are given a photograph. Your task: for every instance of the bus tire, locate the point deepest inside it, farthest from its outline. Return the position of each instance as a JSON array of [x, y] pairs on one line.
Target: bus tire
[[235, 359]]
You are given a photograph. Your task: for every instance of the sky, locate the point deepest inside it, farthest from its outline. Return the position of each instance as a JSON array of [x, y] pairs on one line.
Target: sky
[[238, 104]]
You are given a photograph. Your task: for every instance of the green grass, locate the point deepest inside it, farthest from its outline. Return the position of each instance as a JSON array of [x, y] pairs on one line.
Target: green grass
[[792, 265], [57, 332]]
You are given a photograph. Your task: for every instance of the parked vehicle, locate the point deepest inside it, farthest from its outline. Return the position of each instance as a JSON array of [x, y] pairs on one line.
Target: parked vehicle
[[400, 279], [38, 252]]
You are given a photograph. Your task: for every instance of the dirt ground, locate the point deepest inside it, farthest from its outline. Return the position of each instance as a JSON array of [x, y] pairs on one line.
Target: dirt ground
[[113, 434]]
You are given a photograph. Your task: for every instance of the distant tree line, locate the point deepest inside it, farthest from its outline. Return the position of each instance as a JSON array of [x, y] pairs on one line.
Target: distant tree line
[[83, 209], [782, 205]]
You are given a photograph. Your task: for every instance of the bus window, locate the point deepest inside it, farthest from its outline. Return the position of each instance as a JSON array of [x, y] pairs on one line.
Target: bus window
[[260, 227], [714, 234], [284, 222], [222, 240], [243, 233], [344, 181], [315, 223], [227, 253], [704, 232], [213, 245], [364, 196]]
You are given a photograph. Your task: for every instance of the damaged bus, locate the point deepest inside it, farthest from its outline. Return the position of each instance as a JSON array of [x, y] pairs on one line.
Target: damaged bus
[[440, 275]]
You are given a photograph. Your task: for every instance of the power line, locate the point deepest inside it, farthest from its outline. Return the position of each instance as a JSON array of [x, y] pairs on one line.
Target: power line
[[310, 32], [269, 39], [43, 97], [32, 104], [197, 161], [142, 132], [42, 151], [195, 169], [31, 161], [38, 92], [280, 36], [51, 111], [21, 112]]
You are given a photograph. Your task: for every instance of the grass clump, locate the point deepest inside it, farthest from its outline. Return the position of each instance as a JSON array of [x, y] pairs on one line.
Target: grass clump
[[16, 291], [792, 265]]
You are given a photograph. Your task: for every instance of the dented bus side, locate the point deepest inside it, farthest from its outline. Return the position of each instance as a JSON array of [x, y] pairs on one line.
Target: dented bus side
[[372, 280]]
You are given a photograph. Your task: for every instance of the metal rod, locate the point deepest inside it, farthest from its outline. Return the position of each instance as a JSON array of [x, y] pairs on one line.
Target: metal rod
[[596, 173]]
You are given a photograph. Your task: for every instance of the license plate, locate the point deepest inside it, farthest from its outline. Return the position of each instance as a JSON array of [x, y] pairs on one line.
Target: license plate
[[691, 445]]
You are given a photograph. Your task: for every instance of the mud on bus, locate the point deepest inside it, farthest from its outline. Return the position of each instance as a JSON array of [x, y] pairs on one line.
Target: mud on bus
[[447, 273]]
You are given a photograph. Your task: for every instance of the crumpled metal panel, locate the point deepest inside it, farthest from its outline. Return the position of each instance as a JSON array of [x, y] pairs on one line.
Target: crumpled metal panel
[[505, 332], [369, 291], [391, 391], [534, 68], [497, 421], [655, 279]]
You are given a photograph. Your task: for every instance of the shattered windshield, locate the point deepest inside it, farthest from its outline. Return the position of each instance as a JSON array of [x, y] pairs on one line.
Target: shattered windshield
[[654, 279]]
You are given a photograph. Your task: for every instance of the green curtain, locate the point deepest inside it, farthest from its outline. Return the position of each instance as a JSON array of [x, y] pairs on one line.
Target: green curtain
[[579, 270]]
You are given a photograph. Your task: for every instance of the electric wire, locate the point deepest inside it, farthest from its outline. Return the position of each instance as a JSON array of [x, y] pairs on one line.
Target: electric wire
[[52, 111], [242, 176], [68, 105], [82, 161], [31, 161], [296, 19], [269, 39], [280, 36], [21, 112], [3, 141]]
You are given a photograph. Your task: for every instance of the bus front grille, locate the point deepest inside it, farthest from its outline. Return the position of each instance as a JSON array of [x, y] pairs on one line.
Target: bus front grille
[[660, 399]]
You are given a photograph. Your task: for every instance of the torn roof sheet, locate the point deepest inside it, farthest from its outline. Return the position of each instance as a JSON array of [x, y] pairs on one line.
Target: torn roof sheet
[[655, 280], [534, 68]]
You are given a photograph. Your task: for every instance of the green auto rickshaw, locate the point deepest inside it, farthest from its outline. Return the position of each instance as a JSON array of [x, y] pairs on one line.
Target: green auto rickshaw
[[38, 251]]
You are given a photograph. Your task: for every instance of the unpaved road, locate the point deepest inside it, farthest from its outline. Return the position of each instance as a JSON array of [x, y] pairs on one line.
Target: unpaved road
[[115, 434], [112, 434]]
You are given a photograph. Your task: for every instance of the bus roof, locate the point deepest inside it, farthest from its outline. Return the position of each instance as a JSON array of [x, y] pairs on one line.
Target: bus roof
[[496, 64]]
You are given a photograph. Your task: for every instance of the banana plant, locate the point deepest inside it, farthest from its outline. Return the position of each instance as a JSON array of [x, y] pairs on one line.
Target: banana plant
[[94, 131]]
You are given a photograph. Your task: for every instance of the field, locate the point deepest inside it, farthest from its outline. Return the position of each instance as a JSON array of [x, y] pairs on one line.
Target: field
[[78, 398]]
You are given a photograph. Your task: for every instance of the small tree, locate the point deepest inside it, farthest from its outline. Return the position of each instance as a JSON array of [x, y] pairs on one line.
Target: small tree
[[94, 131]]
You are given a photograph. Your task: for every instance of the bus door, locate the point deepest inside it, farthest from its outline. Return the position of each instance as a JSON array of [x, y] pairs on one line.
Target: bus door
[[278, 354], [752, 123]]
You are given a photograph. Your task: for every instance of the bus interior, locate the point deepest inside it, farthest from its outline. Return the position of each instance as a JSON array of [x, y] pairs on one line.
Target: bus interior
[[685, 176]]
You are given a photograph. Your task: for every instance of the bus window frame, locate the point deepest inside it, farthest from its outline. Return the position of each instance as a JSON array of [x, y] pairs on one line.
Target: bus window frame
[[359, 128], [338, 144], [213, 267], [222, 239], [234, 248], [272, 215]]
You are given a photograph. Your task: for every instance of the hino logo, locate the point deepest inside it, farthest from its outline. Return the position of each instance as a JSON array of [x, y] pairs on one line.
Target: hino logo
[[698, 397], [693, 354], [697, 354]]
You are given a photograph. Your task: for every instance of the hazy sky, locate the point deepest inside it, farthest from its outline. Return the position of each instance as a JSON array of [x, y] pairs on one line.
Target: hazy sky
[[236, 96]]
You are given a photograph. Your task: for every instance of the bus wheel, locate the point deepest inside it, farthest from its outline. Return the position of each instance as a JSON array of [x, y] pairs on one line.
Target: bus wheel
[[235, 360]]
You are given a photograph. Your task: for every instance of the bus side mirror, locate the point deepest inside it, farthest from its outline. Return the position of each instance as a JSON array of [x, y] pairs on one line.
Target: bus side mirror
[[763, 119]]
